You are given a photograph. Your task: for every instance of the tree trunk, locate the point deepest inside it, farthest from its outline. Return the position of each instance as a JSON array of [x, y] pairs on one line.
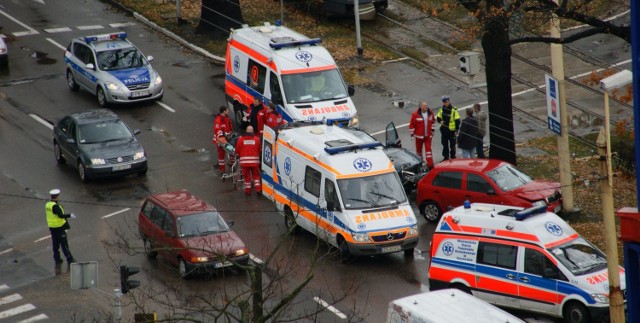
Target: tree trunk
[[217, 17], [497, 51]]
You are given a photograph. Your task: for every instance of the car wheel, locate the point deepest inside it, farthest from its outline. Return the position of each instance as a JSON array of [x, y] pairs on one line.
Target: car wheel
[[575, 312], [58, 153], [431, 211], [345, 254], [102, 97], [462, 288], [182, 267], [82, 172], [71, 81], [148, 249], [290, 221]]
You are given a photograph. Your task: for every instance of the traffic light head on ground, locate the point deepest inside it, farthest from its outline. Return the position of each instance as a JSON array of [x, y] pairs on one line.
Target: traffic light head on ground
[[125, 283]]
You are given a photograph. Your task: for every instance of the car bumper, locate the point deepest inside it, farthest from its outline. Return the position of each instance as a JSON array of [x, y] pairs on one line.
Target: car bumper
[[126, 95], [358, 249], [212, 266], [95, 171]]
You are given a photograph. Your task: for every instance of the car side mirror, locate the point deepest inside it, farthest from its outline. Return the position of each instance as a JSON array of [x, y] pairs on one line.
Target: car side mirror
[[71, 141], [231, 223], [352, 89], [90, 66], [136, 132], [549, 273], [149, 58]]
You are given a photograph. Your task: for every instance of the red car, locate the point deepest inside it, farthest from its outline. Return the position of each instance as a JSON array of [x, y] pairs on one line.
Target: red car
[[190, 233], [452, 182]]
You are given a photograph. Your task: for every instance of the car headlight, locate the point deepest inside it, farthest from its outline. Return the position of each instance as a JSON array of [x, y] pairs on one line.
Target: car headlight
[[138, 155], [538, 203], [360, 237], [241, 252], [199, 259], [158, 80], [112, 86], [354, 122], [600, 298], [98, 161], [413, 230]]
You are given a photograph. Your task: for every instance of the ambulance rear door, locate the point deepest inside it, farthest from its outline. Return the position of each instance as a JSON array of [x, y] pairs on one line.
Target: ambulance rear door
[[268, 164]]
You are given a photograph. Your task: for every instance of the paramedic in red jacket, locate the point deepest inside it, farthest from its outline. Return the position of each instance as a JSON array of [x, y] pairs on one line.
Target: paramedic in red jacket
[[273, 119], [248, 150], [421, 128], [221, 127]]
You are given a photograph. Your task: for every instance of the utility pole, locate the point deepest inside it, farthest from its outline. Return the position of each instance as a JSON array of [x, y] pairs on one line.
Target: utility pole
[[356, 13]]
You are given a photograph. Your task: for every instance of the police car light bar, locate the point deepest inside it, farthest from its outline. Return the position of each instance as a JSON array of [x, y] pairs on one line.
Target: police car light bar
[[521, 215], [336, 150], [121, 35], [295, 43]]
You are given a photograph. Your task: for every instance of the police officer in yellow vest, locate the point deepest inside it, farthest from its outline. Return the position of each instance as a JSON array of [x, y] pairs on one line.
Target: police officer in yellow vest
[[449, 120], [57, 221]]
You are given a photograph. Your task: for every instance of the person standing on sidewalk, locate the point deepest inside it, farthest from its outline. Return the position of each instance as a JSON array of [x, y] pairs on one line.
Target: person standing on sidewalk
[[481, 117], [421, 126], [248, 150], [467, 140], [58, 226], [449, 120]]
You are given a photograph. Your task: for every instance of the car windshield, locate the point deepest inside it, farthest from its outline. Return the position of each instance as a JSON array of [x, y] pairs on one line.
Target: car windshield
[[508, 177], [314, 86], [580, 257], [119, 59], [111, 130], [205, 223], [372, 191]]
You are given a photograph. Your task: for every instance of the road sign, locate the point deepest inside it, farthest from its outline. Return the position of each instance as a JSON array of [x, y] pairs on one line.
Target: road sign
[[84, 274], [553, 104]]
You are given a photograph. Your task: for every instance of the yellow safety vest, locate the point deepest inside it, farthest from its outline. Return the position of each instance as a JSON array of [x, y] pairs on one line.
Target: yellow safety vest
[[53, 220], [452, 120]]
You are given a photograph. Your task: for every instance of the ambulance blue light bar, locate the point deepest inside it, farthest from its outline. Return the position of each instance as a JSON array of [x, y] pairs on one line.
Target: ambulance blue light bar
[[120, 35], [296, 43], [337, 150], [521, 215]]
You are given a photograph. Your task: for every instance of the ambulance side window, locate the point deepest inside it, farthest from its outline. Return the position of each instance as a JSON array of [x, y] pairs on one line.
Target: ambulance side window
[[535, 263], [256, 74], [312, 180], [499, 255], [448, 180], [477, 183], [274, 86]]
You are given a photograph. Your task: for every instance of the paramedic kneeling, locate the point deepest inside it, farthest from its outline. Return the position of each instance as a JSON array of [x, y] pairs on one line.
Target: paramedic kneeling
[[248, 150]]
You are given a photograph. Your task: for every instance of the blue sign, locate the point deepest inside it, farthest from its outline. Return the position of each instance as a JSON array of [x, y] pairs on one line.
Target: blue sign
[[362, 164], [553, 105], [287, 166], [553, 228]]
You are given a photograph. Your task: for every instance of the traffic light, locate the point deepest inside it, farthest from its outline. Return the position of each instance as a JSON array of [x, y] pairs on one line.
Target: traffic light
[[125, 283], [469, 62]]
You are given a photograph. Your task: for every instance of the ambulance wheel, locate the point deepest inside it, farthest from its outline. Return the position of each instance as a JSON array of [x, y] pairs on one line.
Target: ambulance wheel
[[290, 221], [409, 252], [462, 288], [575, 312], [345, 254], [237, 110], [431, 211]]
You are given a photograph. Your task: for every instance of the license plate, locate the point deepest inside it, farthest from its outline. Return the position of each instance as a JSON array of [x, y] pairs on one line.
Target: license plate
[[557, 209], [391, 249], [121, 167], [139, 94], [223, 264]]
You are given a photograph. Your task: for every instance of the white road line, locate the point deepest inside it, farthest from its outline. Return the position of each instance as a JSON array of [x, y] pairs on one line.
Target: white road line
[[10, 298], [58, 30], [114, 213], [43, 238], [329, 307], [30, 31], [17, 310], [3, 287], [165, 106], [122, 24], [55, 43], [38, 317], [43, 121], [90, 27], [255, 259], [6, 251]]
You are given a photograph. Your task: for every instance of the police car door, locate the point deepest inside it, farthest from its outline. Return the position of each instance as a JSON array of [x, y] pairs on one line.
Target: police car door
[[538, 281], [85, 76]]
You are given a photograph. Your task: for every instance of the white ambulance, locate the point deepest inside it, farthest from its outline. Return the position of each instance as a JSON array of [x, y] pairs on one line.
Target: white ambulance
[[527, 259], [338, 184], [275, 63]]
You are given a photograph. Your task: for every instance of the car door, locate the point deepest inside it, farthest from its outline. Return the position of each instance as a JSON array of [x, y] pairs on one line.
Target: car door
[[391, 136], [446, 189], [538, 280], [478, 189], [85, 77], [67, 139], [165, 234]]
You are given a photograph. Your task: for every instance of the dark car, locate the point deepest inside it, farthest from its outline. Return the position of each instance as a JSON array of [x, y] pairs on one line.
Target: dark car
[[189, 233], [454, 181], [99, 144]]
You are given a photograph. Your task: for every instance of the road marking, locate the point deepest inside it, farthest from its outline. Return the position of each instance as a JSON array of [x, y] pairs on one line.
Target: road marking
[[43, 238], [3, 287], [30, 31], [165, 106], [43, 121], [35, 318], [6, 251], [10, 298], [114, 213], [91, 27], [329, 307], [57, 30], [255, 259], [122, 24], [56, 44], [17, 310]]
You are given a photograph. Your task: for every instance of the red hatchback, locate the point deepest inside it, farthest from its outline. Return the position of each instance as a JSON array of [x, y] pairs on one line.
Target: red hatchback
[[452, 182], [189, 232]]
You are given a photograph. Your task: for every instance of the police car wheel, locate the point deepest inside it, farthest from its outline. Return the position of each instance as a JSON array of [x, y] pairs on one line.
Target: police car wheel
[[102, 97], [431, 211], [575, 312], [71, 81], [58, 153]]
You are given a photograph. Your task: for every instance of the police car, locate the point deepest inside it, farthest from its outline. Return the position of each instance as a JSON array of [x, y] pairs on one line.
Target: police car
[[112, 68]]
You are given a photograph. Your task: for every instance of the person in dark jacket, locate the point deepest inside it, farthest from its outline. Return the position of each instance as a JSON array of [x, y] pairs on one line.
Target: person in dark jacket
[[467, 138]]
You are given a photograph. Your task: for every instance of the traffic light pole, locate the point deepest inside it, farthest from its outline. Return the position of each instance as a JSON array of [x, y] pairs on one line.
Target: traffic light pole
[[117, 307]]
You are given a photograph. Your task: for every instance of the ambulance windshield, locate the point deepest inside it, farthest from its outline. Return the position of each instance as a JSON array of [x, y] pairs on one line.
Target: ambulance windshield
[[580, 257], [314, 86], [508, 177], [372, 191]]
